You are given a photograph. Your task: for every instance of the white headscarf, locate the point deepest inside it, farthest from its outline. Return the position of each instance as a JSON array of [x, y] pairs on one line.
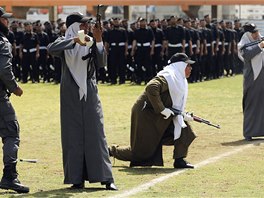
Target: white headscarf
[[178, 88], [76, 65], [257, 61]]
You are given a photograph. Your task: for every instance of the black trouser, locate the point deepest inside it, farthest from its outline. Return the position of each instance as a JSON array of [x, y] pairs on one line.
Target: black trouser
[[29, 59], [16, 62], [157, 64], [43, 63], [195, 69], [117, 64], [143, 62], [9, 132], [57, 70]]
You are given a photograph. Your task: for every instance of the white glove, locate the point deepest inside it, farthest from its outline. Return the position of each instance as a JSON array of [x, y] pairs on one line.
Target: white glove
[[187, 116], [167, 113]]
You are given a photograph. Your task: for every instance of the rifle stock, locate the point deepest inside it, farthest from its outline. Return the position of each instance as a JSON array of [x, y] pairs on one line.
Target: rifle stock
[[195, 118]]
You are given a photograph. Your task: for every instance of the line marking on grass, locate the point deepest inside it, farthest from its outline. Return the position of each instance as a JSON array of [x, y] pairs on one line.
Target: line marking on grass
[[155, 181]]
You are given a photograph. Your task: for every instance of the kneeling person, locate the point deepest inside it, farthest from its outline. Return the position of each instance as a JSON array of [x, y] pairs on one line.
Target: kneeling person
[[153, 124]]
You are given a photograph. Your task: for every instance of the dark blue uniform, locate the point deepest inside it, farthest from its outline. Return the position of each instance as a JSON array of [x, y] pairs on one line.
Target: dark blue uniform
[[43, 55], [29, 44]]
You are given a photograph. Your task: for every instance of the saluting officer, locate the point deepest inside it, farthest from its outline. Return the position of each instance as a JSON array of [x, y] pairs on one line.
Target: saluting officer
[[116, 48], [29, 53], [143, 49]]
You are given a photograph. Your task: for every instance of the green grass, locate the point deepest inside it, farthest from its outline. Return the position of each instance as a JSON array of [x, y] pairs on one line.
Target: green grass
[[219, 101]]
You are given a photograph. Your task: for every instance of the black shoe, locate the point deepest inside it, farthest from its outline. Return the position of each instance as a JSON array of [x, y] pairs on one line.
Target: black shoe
[[78, 186], [111, 186], [248, 138], [181, 163], [13, 184]]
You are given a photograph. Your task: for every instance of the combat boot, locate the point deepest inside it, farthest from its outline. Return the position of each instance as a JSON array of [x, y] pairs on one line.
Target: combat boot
[[10, 181]]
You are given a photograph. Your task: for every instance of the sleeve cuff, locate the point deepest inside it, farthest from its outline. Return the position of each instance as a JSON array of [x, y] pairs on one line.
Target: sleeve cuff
[[100, 46]]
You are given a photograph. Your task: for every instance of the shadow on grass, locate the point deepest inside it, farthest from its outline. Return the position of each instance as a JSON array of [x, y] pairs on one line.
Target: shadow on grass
[[62, 192], [243, 142], [146, 170]]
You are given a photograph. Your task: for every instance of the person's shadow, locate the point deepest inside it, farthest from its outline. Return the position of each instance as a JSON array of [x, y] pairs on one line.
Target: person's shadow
[[145, 170], [243, 142], [57, 193]]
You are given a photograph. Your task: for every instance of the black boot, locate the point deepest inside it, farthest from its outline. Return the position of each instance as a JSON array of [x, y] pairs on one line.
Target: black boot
[[10, 181]]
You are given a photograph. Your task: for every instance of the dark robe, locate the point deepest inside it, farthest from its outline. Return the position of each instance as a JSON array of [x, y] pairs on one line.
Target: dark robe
[[85, 152], [253, 96]]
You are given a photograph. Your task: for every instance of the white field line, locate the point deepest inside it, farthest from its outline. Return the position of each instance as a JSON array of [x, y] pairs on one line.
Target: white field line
[[153, 182]]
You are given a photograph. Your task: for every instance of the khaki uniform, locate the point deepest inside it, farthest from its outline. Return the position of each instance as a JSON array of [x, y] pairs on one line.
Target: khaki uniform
[[149, 130]]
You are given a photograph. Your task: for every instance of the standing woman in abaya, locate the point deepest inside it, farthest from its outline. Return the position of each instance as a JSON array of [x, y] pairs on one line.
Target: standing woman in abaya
[[84, 147]]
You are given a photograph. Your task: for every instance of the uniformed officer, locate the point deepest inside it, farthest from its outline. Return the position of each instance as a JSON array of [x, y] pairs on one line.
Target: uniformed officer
[[228, 45], [160, 44], [176, 38], [9, 127], [130, 63], [54, 63], [142, 50], [208, 49], [29, 53], [220, 51], [116, 47], [16, 59], [43, 53], [238, 34]]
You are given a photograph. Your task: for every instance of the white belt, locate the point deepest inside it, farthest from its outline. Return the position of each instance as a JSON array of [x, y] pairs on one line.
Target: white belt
[[219, 43], [158, 45], [175, 45], [17, 47], [226, 43], [118, 44], [143, 44], [208, 44], [42, 47], [194, 45], [129, 47], [214, 42], [30, 50], [186, 44]]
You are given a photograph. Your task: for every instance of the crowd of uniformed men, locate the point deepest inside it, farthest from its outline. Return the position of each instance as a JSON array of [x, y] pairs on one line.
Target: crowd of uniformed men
[[136, 51]]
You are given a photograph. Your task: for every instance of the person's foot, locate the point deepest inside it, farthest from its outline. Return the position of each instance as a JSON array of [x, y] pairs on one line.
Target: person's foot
[[248, 138], [13, 184], [111, 186], [77, 186], [181, 163]]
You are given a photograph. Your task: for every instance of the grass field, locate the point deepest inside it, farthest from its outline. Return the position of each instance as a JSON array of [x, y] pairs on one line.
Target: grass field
[[238, 175]]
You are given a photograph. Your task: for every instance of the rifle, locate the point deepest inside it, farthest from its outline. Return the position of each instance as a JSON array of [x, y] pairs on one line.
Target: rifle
[[98, 17], [252, 43], [195, 118], [97, 25]]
